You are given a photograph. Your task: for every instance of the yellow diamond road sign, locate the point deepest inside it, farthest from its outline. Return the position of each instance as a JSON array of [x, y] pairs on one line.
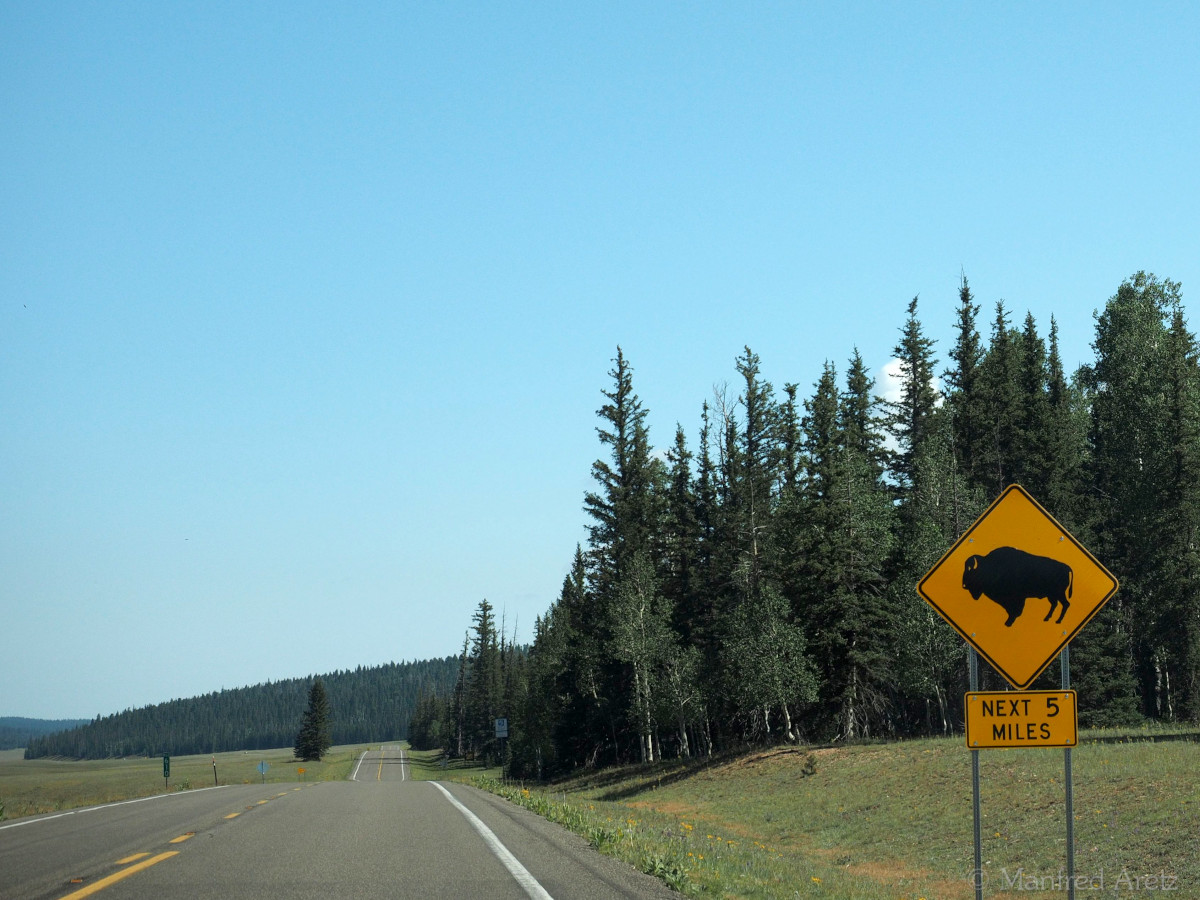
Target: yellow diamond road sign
[[1017, 586]]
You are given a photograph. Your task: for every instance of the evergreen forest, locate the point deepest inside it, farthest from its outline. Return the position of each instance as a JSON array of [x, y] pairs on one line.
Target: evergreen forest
[[754, 581], [16, 731], [365, 705]]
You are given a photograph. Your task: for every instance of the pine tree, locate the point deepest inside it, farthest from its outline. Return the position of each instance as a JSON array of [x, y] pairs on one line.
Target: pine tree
[[532, 750], [627, 517], [313, 739], [1065, 440], [963, 396], [624, 511], [999, 386], [821, 433], [849, 621], [1032, 465], [483, 683], [910, 415], [709, 599], [759, 454], [807, 536], [581, 730], [861, 421], [759, 620], [790, 444], [1146, 466], [1182, 516], [1130, 476], [680, 537]]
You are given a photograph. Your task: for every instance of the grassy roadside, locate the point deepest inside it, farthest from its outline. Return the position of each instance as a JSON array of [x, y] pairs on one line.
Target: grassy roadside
[[894, 820], [29, 787], [429, 765]]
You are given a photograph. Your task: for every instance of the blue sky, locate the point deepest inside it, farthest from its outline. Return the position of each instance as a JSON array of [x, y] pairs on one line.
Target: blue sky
[[305, 313]]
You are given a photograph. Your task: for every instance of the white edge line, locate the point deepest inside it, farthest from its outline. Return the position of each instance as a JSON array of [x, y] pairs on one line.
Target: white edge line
[[354, 774], [518, 871], [75, 812]]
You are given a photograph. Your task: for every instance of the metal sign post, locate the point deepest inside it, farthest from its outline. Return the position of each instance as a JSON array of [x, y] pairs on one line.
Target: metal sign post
[[1066, 683], [502, 737], [977, 872]]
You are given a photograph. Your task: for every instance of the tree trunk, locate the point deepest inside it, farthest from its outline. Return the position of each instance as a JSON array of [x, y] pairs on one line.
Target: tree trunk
[[787, 725], [851, 708]]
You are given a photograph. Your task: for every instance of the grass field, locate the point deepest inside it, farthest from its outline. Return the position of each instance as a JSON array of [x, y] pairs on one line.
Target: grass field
[[48, 785], [894, 820]]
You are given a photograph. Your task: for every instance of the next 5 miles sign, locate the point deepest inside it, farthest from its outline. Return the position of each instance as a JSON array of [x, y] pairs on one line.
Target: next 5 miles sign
[[1021, 719]]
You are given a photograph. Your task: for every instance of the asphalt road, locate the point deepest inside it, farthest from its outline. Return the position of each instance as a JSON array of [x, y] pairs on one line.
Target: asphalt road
[[379, 835]]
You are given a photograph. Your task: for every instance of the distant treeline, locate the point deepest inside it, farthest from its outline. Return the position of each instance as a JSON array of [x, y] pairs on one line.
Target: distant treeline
[[367, 704], [17, 732], [757, 583]]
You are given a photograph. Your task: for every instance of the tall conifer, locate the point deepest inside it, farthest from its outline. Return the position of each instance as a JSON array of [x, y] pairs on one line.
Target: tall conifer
[[910, 415], [999, 384], [851, 623], [314, 739], [963, 395]]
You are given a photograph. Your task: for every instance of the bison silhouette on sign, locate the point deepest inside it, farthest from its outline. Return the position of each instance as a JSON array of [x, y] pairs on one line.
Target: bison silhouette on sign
[[1010, 576]]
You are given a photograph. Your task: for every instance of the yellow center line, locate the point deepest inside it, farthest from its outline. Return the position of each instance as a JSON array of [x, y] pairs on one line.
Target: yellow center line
[[118, 876], [182, 838], [134, 858], [233, 815], [379, 776], [261, 802]]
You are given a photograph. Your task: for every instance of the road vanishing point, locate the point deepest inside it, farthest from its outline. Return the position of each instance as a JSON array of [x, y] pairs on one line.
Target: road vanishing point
[[378, 834]]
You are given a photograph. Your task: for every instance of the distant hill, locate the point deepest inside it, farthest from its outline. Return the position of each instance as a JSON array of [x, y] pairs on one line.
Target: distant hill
[[15, 731], [367, 704]]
